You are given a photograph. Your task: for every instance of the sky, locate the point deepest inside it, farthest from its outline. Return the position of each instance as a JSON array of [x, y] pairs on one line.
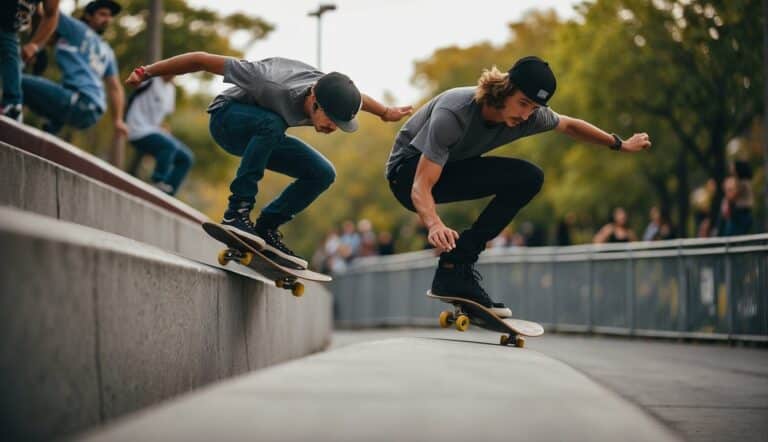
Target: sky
[[375, 42]]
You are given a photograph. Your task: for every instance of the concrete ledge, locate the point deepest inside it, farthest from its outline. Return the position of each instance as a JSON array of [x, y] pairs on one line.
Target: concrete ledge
[[94, 325], [400, 389]]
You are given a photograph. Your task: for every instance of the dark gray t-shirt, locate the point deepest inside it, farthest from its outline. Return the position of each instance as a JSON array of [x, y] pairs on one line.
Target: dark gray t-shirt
[[450, 128], [277, 84]]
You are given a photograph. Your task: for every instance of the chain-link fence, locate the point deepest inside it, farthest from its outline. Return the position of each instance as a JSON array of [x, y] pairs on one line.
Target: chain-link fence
[[711, 288]]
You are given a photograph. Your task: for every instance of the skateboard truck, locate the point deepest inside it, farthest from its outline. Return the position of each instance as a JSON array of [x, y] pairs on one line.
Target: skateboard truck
[[461, 321], [245, 258]]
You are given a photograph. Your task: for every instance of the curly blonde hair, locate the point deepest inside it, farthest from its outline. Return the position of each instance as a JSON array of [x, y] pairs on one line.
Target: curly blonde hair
[[493, 88]]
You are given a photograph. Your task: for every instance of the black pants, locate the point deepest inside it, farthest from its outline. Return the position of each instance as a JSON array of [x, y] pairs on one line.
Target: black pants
[[513, 183]]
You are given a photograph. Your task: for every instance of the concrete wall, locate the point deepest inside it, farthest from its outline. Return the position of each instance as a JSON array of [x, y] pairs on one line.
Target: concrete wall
[[95, 325]]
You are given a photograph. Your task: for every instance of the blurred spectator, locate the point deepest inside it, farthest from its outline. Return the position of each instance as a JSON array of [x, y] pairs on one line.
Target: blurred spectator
[[368, 243], [147, 107], [349, 239], [16, 16], [534, 236], [617, 230], [735, 215], [386, 244], [564, 229], [87, 63], [503, 240], [701, 202], [659, 227]]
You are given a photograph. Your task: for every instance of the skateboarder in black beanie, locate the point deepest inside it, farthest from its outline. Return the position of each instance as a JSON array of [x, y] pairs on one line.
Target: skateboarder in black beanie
[[437, 159]]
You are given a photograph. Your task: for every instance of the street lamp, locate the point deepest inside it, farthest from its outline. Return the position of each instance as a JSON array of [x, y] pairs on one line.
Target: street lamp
[[321, 9]]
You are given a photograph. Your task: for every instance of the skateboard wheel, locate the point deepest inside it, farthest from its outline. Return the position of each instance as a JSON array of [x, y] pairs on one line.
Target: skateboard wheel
[[462, 323], [246, 259], [445, 318], [519, 341], [297, 289], [223, 260], [504, 340], [279, 283]]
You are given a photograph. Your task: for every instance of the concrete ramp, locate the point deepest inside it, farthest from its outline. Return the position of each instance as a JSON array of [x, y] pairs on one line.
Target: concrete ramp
[[405, 389]]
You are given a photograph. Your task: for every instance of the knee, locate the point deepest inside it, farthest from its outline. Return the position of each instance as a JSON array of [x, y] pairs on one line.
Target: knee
[[326, 175], [537, 179]]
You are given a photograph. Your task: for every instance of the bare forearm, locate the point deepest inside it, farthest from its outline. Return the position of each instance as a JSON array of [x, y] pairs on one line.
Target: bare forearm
[[117, 98], [588, 132], [372, 106], [188, 63], [47, 24], [425, 205]]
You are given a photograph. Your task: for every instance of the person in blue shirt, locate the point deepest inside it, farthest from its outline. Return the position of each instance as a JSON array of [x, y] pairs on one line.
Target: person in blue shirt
[[15, 17], [87, 63]]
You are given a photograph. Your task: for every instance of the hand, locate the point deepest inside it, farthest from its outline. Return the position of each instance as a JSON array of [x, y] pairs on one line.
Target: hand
[[28, 51], [636, 143], [136, 78], [442, 237], [121, 130], [396, 113]]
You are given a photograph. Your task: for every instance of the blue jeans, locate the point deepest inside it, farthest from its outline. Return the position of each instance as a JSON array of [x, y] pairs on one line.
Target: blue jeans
[[172, 158], [58, 104], [258, 136], [10, 67]]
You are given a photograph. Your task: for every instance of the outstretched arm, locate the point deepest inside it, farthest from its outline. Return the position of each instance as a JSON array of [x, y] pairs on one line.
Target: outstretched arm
[[178, 65], [584, 131], [427, 174], [386, 113]]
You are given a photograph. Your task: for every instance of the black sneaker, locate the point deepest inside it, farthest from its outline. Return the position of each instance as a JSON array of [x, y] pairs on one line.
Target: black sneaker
[[239, 222], [463, 281], [276, 249], [13, 111]]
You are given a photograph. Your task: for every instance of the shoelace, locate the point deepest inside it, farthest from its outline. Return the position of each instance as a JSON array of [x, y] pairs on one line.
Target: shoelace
[[275, 238], [471, 272]]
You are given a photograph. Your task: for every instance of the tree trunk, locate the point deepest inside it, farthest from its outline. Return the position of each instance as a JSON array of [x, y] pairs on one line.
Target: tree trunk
[[683, 192]]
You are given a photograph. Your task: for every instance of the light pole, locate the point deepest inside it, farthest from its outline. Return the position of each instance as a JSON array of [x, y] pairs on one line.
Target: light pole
[[321, 9]]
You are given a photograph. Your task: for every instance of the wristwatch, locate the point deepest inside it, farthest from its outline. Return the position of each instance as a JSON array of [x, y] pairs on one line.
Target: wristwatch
[[617, 142]]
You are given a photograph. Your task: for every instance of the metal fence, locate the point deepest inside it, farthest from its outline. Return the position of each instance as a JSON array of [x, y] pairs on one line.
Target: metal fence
[[690, 288]]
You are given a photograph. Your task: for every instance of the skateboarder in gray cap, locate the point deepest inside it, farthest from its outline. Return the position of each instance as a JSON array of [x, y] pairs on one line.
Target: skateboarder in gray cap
[[249, 120], [438, 158]]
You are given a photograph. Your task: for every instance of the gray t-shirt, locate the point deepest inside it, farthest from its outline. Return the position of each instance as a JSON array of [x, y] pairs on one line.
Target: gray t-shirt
[[451, 127], [277, 84]]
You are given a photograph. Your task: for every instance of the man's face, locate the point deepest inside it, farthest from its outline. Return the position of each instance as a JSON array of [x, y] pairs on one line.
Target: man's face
[[517, 108], [100, 19], [320, 120]]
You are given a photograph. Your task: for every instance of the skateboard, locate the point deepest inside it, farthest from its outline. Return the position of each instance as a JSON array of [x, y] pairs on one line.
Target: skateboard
[[248, 252], [466, 311]]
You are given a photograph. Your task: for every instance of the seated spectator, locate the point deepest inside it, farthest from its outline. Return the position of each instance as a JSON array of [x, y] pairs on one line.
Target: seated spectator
[[147, 108]]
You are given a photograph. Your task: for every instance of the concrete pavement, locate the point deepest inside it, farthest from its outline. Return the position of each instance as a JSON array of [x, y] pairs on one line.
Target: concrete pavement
[[409, 388], [707, 392]]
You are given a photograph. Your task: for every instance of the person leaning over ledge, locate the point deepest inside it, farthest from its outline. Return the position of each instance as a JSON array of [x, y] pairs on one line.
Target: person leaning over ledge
[[249, 120], [437, 158]]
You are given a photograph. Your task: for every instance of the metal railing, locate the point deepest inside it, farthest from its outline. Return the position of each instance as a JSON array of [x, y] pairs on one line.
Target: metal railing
[[689, 288]]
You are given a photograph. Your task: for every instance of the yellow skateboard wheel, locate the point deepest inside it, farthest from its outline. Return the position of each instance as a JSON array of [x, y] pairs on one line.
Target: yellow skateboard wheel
[[445, 318], [519, 342], [504, 340], [246, 259], [462, 323], [223, 260], [298, 289], [279, 283]]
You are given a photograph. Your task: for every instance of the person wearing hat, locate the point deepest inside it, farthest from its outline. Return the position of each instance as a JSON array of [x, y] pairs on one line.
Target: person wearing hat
[[16, 16], [438, 158], [249, 120], [87, 63]]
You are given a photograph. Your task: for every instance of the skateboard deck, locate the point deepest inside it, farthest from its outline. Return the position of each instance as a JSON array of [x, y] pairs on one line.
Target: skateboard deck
[[466, 312], [249, 252]]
